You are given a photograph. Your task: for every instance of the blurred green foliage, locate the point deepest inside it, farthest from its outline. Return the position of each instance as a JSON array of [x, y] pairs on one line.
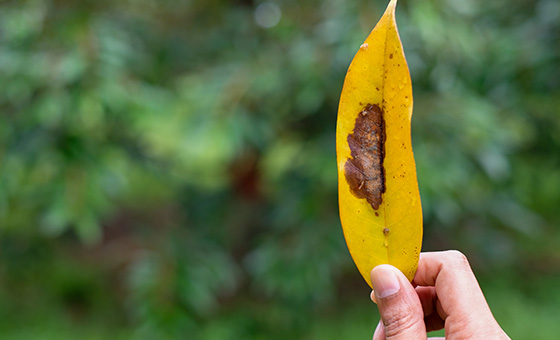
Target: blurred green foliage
[[167, 168]]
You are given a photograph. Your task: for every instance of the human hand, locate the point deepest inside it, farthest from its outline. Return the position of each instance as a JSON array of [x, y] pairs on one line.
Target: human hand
[[443, 294]]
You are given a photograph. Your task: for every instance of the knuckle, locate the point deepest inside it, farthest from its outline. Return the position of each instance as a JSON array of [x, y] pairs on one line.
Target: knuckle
[[458, 259], [399, 323]]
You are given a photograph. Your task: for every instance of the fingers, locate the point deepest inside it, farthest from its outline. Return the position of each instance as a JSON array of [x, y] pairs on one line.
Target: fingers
[[399, 306], [461, 303], [444, 292], [379, 334], [451, 275], [434, 317]]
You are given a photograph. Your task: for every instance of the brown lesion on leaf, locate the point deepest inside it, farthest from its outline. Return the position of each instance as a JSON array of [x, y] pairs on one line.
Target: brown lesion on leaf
[[364, 172]]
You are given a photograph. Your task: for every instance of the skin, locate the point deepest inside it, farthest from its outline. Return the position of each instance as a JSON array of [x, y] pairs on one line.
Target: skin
[[443, 294]]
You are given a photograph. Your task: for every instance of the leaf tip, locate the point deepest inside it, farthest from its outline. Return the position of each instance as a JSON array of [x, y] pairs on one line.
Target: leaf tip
[[391, 7]]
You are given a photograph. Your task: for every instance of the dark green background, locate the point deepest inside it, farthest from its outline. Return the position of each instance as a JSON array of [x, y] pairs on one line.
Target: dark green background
[[167, 168]]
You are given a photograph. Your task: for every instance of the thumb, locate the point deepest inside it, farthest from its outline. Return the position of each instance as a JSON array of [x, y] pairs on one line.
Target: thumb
[[399, 306]]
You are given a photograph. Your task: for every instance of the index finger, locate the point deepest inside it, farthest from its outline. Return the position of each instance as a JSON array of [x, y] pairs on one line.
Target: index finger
[[456, 286]]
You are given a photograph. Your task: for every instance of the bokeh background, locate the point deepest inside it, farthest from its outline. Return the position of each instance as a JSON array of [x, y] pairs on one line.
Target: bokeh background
[[167, 168]]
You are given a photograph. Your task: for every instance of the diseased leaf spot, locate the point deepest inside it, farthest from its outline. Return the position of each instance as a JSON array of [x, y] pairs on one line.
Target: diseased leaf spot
[[364, 172], [386, 231]]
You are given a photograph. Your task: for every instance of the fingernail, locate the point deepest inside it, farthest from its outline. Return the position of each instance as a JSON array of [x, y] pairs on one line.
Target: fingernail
[[385, 282]]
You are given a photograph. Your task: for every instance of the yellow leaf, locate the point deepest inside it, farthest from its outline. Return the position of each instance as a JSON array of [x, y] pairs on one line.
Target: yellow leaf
[[379, 201]]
